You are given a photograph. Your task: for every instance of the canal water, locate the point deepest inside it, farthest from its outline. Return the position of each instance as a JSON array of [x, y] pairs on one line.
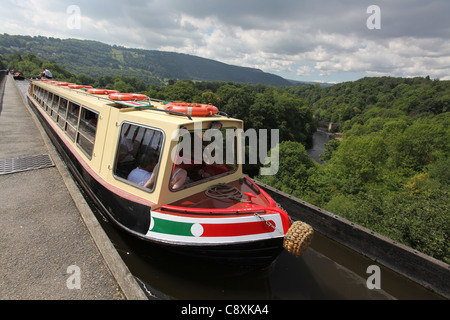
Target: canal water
[[312, 276]]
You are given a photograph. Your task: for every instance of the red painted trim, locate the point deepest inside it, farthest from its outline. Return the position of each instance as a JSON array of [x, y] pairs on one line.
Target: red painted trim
[[249, 210], [268, 198], [236, 229], [286, 221]]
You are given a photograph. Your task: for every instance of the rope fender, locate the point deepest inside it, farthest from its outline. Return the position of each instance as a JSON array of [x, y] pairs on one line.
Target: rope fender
[[298, 238]]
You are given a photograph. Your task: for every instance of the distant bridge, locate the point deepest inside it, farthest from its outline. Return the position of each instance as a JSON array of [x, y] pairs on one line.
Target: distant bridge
[[331, 126]]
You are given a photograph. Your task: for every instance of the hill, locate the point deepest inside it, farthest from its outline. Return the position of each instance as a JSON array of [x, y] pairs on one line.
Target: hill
[[390, 171], [94, 59], [356, 101]]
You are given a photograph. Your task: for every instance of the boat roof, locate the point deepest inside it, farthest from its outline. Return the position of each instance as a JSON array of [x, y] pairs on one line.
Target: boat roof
[[150, 108]]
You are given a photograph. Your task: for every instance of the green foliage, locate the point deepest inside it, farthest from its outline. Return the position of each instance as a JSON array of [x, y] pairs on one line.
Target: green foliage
[[295, 168], [391, 171], [181, 91], [330, 147]]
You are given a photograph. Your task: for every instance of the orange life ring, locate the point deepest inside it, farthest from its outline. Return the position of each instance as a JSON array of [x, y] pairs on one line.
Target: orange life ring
[[111, 91], [127, 96], [60, 83], [193, 109], [79, 86], [96, 91], [101, 91]]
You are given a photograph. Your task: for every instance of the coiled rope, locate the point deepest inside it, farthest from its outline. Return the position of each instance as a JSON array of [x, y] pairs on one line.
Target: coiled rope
[[297, 239], [224, 192]]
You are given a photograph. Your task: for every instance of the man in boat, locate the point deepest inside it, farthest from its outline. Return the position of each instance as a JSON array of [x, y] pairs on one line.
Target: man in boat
[[46, 74], [143, 174]]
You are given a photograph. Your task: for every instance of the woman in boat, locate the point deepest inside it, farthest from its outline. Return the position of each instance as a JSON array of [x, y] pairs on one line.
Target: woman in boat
[[143, 174]]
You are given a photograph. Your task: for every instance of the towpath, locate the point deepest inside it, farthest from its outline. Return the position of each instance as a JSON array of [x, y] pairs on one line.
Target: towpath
[[51, 245]]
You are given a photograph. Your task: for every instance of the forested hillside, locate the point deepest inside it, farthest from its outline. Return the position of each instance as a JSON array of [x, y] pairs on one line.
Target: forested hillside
[[389, 172], [360, 99], [95, 59]]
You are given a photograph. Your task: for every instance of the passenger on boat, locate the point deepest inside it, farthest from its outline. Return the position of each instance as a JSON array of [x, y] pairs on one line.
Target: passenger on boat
[[144, 175], [211, 170], [179, 178], [128, 150], [46, 74]]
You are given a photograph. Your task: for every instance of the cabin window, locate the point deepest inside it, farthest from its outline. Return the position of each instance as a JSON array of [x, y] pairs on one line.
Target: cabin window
[[39, 96], [55, 106], [203, 156], [87, 130], [138, 155], [36, 93], [72, 119], [44, 98], [48, 102], [62, 111]]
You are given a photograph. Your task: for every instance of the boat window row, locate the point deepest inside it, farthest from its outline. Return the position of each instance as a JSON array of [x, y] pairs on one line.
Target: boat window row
[[140, 147], [77, 121]]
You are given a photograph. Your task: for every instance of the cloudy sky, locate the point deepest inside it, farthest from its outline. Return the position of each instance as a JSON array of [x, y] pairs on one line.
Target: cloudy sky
[[321, 40]]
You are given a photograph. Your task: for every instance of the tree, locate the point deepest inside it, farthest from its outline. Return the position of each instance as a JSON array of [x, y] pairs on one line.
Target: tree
[[210, 97], [123, 87], [330, 148], [295, 168], [182, 90]]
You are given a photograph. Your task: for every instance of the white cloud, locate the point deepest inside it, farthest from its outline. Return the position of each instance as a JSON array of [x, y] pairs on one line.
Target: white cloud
[[295, 38], [304, 70]]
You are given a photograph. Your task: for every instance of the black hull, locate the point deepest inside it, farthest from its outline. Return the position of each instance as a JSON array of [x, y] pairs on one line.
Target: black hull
[[254, 255], [134, 218]]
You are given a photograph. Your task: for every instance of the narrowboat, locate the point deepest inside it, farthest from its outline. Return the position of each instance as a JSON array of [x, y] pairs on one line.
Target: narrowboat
[[18, 75], [145, 164]]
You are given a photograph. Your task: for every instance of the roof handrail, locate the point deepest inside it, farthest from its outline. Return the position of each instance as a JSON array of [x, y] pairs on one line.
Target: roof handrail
[[224, 114]]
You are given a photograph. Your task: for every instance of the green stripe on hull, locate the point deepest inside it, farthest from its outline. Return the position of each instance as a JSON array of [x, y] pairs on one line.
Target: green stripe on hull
[[172, 227]]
